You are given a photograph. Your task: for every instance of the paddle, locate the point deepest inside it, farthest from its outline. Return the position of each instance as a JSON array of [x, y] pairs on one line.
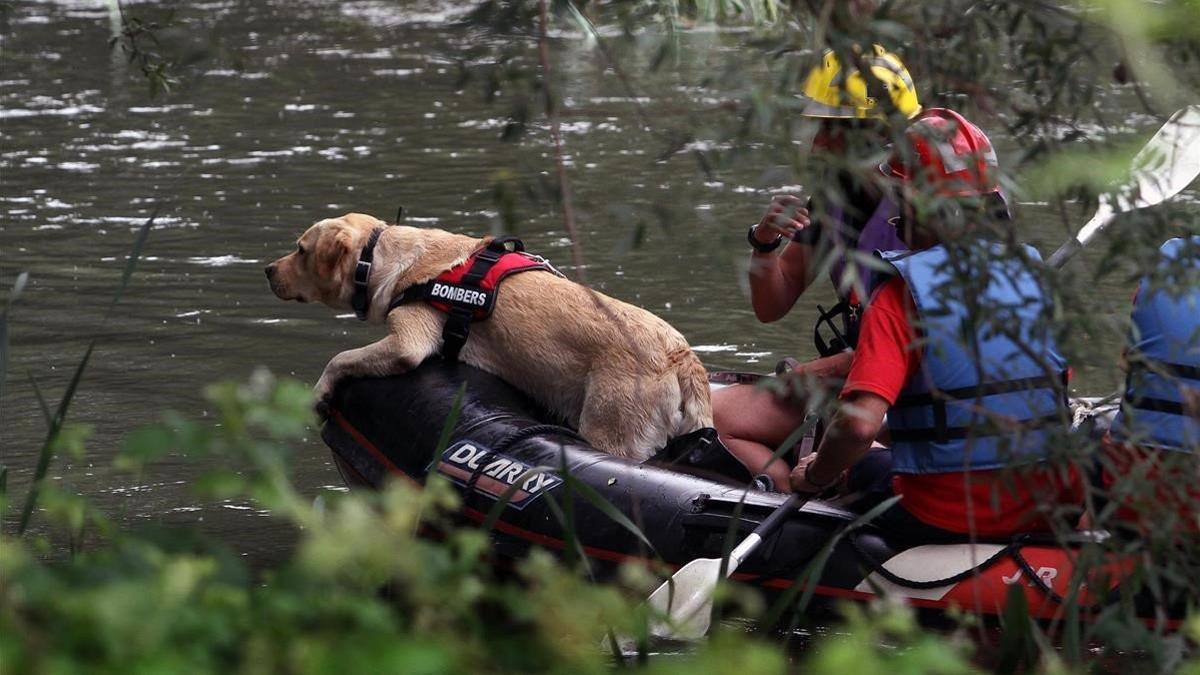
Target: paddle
[[1168, 164], [687, 597]]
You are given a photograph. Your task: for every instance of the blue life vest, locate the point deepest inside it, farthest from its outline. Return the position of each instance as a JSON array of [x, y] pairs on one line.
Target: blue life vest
[[960, 411], [1165, 355]]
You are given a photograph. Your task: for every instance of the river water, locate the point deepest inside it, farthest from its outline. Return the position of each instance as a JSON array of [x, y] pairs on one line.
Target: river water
[[298, 111]]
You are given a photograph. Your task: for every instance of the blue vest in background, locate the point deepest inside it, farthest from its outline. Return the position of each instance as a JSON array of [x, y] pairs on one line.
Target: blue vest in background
[[1164, 357], [946, 418]]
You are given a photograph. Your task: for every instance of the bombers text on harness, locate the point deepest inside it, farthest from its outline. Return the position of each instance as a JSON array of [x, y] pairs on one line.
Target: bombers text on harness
[[467, 292]]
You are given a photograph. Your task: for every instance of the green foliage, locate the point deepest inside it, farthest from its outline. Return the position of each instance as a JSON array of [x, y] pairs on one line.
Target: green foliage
[[886, 639], [365, 590]]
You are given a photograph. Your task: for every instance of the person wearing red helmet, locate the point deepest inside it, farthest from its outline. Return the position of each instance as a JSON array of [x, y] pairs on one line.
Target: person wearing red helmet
[[752, 421], [955, 359]]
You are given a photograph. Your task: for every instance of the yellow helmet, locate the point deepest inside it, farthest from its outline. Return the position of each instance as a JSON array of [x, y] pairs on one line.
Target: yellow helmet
[[830, 93]]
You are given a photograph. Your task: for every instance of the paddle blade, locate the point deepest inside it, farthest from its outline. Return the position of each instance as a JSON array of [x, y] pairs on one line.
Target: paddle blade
[[1160, 170], [1170, 161], [686, 600]]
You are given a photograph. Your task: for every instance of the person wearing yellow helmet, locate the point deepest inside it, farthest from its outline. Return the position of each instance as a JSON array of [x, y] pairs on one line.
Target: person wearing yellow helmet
[[833, 92], [848, 217], [845, 221]]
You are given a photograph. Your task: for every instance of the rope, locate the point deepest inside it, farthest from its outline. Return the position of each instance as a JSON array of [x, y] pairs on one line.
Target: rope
[[882, 571], [1012, 550]]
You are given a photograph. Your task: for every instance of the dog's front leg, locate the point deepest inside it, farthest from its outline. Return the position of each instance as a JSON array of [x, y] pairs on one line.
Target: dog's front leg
[[378, 359]]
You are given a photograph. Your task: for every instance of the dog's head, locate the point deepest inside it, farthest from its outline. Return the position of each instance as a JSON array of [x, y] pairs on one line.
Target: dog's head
[[321, 269]]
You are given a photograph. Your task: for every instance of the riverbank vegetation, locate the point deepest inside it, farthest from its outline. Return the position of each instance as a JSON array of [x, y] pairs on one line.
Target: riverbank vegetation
[[392, 582]]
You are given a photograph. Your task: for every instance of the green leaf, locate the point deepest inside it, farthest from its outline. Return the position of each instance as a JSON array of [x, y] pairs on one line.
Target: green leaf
[[143, 446], [71, 440]]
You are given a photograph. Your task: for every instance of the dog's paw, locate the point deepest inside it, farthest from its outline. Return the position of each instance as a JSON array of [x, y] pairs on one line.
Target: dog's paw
[[322, 408], [323, 398]]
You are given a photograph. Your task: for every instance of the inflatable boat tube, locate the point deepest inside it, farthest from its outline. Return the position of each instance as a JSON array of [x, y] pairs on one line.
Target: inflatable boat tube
[[504, 445]]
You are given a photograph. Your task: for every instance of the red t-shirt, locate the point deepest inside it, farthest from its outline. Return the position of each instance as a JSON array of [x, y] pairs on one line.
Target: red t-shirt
[[1001, 501], [1163, 493]]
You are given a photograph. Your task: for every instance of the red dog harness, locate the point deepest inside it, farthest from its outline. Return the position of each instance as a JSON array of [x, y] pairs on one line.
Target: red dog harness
[[467, 292]]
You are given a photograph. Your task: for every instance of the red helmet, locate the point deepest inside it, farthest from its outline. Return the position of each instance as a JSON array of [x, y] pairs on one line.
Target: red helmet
[[947, 154]]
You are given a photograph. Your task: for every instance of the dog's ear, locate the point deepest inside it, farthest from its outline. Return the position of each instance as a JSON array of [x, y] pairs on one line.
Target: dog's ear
[[332, 252]]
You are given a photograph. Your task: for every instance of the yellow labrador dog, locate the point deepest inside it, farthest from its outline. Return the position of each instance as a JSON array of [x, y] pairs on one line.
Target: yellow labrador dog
[[624, 377]]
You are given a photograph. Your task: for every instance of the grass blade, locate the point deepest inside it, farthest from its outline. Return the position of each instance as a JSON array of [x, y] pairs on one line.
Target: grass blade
[[450, 425], [60, 415], [806, 582], [135, 254], [47, 451], [506, 496], [41, 399], [18, 286]]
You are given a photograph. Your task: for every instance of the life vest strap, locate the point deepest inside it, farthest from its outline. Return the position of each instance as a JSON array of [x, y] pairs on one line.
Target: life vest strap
[[942, 434], [980, 391], [1155, 405], [1179, 370], [1151, 403]]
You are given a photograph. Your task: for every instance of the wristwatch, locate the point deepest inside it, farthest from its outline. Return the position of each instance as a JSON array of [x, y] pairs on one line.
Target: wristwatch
[[760, 247]]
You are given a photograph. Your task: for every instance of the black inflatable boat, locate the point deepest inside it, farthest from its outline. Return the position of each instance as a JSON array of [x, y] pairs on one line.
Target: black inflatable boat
[[381, 429]]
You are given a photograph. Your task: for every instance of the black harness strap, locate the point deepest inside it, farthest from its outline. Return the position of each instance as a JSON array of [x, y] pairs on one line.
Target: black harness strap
[[458, 323], [1186, 372], [1150, 403], [460, 315], [360, 300], [1179, 370]]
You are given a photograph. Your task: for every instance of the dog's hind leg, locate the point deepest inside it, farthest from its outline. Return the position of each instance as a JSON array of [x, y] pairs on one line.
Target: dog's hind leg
[[695, 401], [630, 416]]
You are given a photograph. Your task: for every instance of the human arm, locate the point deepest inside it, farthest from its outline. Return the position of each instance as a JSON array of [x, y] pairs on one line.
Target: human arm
[[834, 367], [879, 369], [778, 278], [847, 440]]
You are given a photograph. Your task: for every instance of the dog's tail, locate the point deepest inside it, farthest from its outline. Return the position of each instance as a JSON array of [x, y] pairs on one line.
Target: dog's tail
[[695, 402]]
